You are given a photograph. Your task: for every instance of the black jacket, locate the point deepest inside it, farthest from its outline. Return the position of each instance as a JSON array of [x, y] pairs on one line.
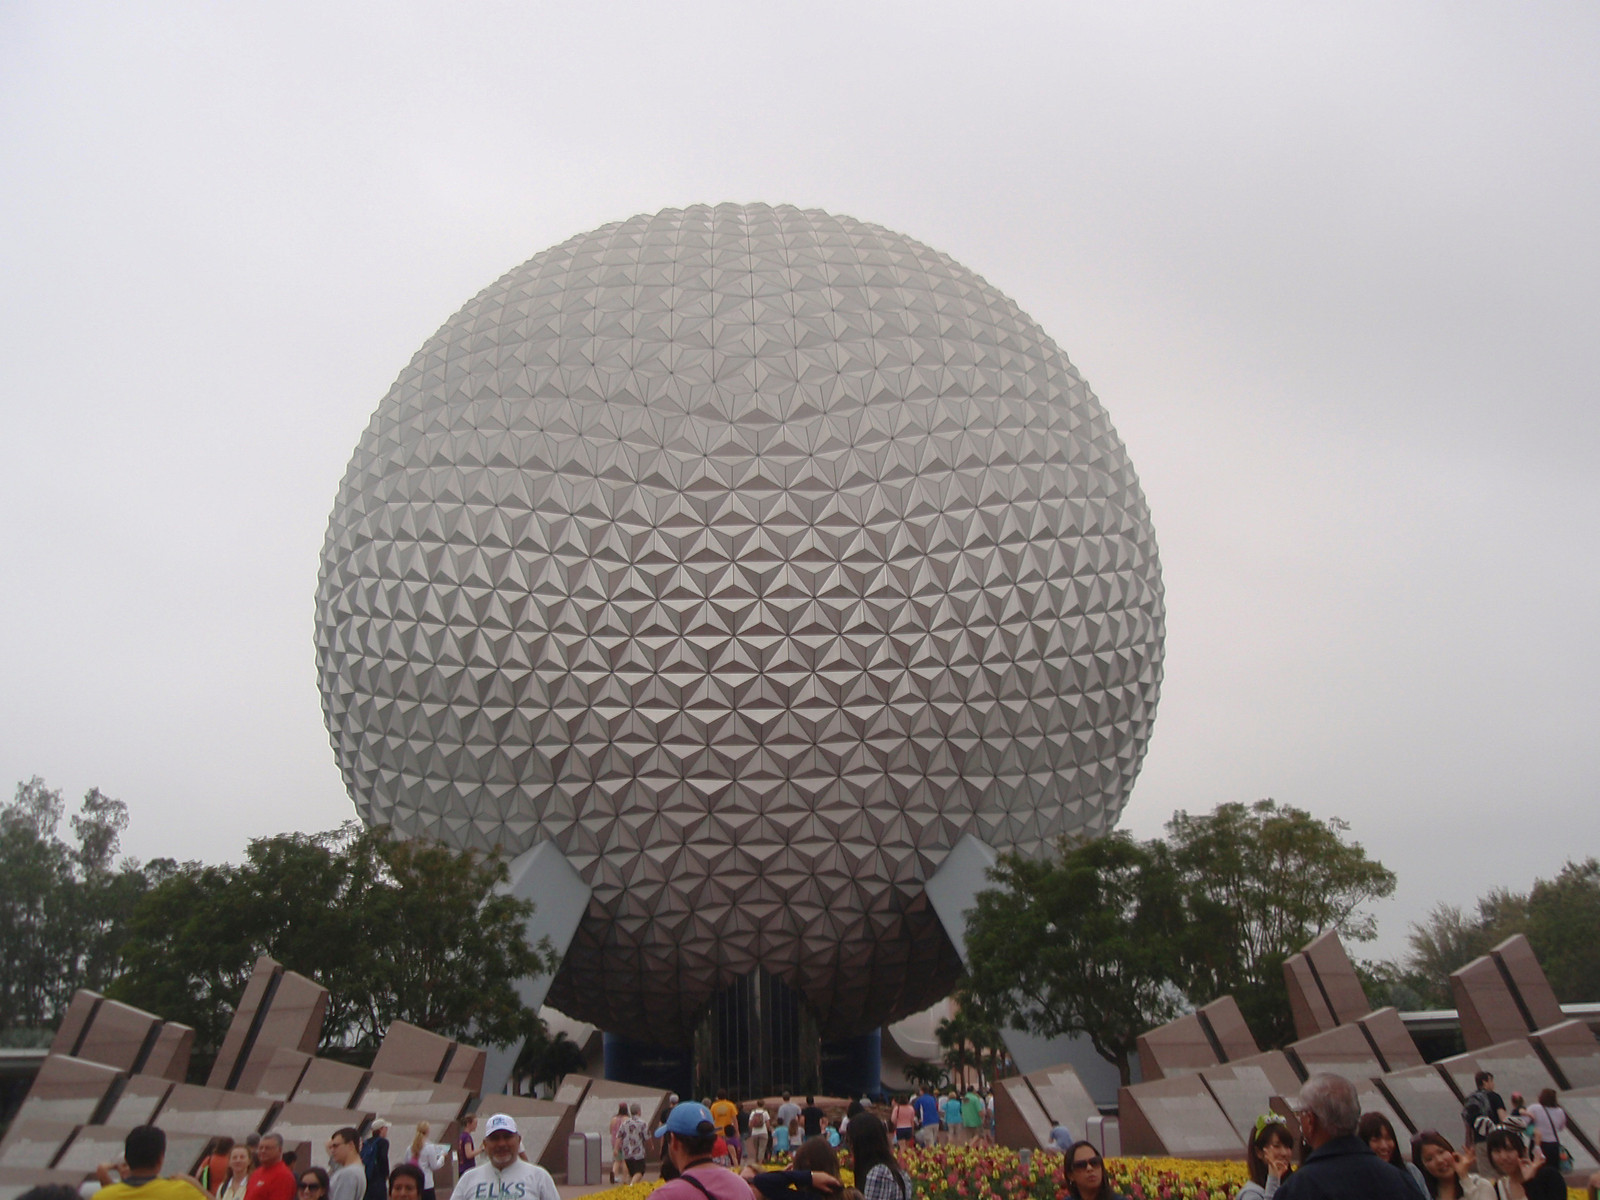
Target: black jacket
[[1346, 1169]]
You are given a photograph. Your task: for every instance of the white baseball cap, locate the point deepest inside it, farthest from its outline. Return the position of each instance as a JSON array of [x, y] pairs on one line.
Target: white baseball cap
[[500, 1123]]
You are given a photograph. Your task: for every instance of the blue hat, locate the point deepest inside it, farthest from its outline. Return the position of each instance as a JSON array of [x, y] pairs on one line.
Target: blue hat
[[689, 1119]]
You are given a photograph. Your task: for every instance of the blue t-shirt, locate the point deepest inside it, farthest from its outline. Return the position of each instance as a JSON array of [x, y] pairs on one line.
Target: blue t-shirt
[[927, 1109], [952, 1112]]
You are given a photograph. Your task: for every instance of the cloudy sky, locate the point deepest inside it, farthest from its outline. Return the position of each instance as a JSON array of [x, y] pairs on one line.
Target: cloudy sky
[[1333, 269]]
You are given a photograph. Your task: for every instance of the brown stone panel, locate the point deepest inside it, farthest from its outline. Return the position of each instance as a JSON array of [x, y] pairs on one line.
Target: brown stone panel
[[68, 1090], [1343, 1050], [600, 1105], [1515, 1064], [466, 1067], [1572, 1048], [116, 1035], [1244, 1089], [1020, 1121], [573, 1089], [96, 1144], [1064, 1098], [1390, 1038], [1229, 1029], [233, 1042], [385, 1093], [279, 1076], [139, 1101], [293, 1021], [330, 1083], [544, 1125], [411, 1051], [32, 1143], [1424, 1098], [1582, 1106], [1177, 1048], [79, 1012], [169, 1057], [1310, 1011], [16, 1180], [1516, 959], [1337, 974], [1488, 1011], [1178, 1117], [212, 1112]]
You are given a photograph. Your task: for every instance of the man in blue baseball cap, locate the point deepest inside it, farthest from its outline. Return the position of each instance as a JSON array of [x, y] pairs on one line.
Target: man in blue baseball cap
[[688, 1138]]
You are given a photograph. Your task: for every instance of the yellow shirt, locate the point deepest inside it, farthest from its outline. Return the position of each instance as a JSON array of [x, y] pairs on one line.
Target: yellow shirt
[[724, 1113], [156, 1189]]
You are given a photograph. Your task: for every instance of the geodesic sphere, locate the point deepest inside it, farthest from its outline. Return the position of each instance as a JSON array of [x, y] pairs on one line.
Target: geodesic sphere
[[753, 556]]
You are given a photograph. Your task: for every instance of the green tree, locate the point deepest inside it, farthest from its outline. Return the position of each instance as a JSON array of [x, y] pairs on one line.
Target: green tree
[[1450, 938], [546, 1060], [929, 1075], [1259, 881], [1085, 943], [1562, 915], [62, 904], [395, 930]]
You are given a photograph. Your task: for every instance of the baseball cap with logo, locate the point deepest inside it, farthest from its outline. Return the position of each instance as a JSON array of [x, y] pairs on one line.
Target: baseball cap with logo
[[500, 1123], [688, 1119]]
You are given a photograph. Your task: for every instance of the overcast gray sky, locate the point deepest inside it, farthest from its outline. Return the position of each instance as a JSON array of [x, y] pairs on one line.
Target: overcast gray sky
[[1333, 269]]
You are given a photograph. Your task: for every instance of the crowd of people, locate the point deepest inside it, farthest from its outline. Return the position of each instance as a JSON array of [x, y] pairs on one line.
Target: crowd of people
[[1338, 1150], [259, 1167], [753, 1134], [1325, 1147]]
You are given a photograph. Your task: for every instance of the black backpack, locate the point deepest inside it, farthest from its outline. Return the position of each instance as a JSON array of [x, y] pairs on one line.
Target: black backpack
[[1475, 1113]]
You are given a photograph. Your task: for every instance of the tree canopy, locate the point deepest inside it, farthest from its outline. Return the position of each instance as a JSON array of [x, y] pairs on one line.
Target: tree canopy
[[395, 930], [61, 904], [1259, 882], [1558, 916], [1114, 936], [1082, 944]]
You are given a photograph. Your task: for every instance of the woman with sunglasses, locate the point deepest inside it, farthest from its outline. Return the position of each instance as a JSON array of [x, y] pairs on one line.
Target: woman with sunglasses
[[1086, 1174], [1446, 1173], [313, 1183], [1268, 1157]]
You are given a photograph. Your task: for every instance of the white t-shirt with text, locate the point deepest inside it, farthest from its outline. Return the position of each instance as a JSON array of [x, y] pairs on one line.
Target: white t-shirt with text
[[519, 1181]]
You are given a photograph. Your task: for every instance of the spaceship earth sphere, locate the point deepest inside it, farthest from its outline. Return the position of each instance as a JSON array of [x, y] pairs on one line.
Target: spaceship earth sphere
[[753, 556]]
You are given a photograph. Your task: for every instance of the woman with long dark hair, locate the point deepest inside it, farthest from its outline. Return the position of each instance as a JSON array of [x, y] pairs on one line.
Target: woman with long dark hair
[[1268, 1157], [1086, 1174], [877, 1173], [1377, 1132], [1446, 1173], [1522, 1178]]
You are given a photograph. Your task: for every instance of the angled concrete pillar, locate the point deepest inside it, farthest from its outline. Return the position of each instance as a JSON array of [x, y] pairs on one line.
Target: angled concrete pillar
[[560, 897]]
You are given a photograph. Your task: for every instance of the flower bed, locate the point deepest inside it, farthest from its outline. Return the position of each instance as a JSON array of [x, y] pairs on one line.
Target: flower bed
[[995, 1173]]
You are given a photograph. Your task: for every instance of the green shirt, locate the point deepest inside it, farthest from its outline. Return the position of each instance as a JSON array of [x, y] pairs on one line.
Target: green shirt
[[971, 1110]]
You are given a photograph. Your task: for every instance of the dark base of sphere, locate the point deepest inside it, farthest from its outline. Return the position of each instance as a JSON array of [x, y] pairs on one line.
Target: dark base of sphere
[[846, 1067], [871, 977]]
